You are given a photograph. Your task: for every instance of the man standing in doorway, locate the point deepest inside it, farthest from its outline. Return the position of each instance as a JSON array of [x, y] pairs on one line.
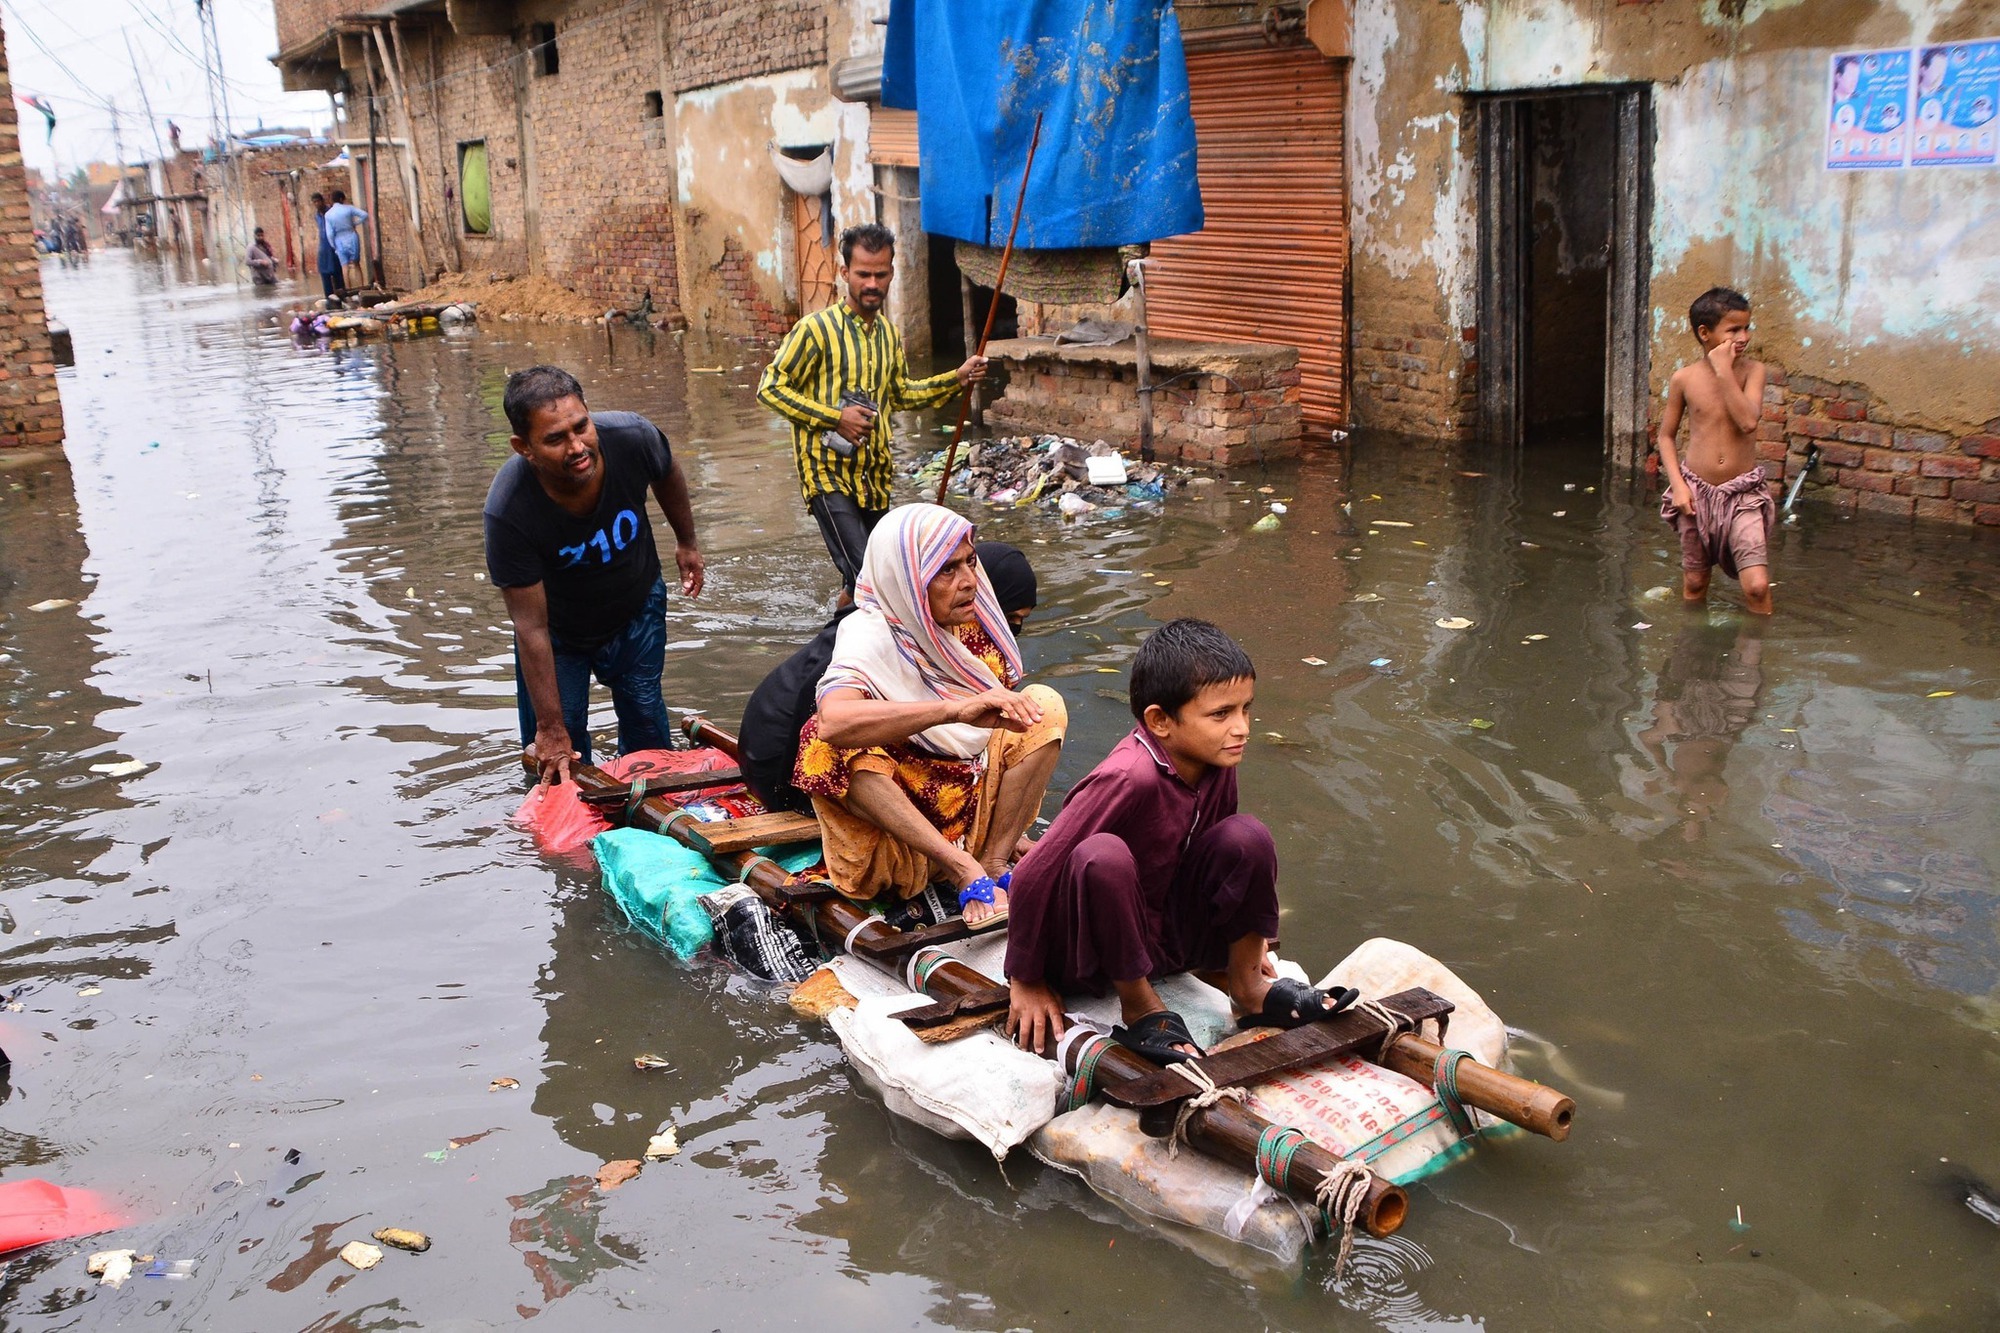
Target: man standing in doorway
[[343, 226], [329, 258], [837, 377], [570, 546]]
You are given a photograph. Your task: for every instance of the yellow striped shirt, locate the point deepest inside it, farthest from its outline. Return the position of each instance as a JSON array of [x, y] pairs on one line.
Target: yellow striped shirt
[[826, 354]]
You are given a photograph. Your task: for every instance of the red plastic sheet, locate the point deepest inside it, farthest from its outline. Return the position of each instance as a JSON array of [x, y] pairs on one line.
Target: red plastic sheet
[[561, 821], [33, 1211]]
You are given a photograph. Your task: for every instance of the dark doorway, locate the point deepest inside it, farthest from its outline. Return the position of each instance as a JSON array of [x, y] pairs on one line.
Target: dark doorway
[[1564, 213], [951, 340]]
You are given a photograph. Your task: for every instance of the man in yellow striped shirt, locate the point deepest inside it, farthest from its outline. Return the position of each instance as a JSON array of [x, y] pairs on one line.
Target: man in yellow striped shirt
[[837, 377]]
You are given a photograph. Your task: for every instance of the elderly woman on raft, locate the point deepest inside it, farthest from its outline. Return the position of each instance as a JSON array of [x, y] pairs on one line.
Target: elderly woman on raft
[[926, 760]]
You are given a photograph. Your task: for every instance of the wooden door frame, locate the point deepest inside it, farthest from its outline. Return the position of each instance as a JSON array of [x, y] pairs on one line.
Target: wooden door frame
[[1503, 133]]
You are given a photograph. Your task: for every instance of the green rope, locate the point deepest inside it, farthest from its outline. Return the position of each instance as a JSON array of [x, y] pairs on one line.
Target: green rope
[[1082, 1085], [1444, 1079], [1276, 1147]]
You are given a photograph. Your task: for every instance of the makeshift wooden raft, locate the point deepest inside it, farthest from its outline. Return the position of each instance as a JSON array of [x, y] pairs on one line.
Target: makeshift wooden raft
[[1198, 1106]]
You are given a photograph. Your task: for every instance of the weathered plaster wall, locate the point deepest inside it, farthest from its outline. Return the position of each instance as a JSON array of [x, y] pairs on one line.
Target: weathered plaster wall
[[1890, 279], [1885, 282], [1411, 220], [737, 242]]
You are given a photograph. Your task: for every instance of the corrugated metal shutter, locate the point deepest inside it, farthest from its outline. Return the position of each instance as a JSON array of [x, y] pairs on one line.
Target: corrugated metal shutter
[[892, 137], [1270, 265]]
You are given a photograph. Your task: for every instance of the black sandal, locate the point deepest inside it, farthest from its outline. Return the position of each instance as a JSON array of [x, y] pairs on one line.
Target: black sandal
[[1291, 1004], [1156, 1035]]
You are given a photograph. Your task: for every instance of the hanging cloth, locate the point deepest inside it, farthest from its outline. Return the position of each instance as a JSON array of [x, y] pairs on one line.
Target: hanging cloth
[[810, 177], [1116, 164]]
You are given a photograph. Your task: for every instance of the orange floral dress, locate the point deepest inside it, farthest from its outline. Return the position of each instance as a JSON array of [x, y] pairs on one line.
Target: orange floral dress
[[945, 791], [953, 795]]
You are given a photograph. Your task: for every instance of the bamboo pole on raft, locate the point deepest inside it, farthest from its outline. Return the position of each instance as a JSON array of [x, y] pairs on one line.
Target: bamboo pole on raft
[[992, 307], [1226, 1130]]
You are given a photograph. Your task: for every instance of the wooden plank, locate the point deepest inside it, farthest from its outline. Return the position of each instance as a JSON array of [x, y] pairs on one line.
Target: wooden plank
[[902, 943], [723, 836], [943, 1011], [1326, 1039], [660, 784]]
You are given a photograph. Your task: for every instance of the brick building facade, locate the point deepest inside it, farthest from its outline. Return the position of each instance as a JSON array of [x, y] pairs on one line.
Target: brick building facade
[[30, 407], [568, 115]]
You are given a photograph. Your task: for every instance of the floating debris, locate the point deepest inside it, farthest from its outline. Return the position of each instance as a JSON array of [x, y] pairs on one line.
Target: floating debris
[[52, 604], [1481, 724], [613, 1174], [663, 1145], [110, 1267], [1366, 597], [1454, 622], [1268, 523], [416, 1242], [645, 1062], [499, 1083], [1313, 661], [360, 1254], [124, 769], [1940, 694]]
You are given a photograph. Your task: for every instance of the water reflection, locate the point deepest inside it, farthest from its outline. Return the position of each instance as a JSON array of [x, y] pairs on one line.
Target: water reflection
[[1708, 695], [309, 926]]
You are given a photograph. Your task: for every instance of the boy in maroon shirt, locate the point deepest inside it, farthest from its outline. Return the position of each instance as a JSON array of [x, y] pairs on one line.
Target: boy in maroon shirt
[[1149, 870]]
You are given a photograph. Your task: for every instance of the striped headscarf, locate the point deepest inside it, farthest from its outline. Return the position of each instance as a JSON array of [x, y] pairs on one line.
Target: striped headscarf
[[891, 649]]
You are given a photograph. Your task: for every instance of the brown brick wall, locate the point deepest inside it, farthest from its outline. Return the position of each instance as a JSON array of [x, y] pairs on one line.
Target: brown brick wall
[[606, 172], [302, 19], [30, 408], [1248, 415], [603, 171], [719, 41], [1413, 374], [1868, 461]]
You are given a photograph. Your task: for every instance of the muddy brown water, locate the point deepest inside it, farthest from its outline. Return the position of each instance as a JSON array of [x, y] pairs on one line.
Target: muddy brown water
[[1738, 887]]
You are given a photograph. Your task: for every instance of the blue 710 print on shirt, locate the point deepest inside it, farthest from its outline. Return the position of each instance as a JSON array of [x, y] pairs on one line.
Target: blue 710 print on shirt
[[623, 529]]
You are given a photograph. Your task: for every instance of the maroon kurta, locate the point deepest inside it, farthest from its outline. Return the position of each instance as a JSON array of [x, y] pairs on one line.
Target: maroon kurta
[[1140, 875]]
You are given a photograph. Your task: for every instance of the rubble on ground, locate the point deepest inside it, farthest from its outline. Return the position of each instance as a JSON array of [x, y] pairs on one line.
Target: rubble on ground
[[1054, 472], [503, 297]]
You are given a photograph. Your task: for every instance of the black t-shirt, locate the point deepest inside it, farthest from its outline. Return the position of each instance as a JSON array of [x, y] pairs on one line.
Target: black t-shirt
[[768, 740], [599, 568]]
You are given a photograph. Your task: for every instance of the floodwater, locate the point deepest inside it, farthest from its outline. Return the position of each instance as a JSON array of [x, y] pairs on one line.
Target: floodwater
[[1738, 882]]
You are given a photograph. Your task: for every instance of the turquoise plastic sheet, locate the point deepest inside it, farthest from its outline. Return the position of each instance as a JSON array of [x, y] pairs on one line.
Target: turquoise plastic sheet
[[655, 882]]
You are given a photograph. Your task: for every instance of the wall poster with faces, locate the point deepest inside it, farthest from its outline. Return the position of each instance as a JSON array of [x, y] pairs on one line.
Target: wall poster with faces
[[1953, 123], [1868, 109]]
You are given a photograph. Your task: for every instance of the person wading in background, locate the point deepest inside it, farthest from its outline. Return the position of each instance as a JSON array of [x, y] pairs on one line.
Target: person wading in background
[[329, 258], [343, 227], [837, 377]]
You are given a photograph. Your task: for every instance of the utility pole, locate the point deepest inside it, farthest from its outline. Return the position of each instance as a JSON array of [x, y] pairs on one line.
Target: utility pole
[[236, 225], [160, 211], [118, 147]]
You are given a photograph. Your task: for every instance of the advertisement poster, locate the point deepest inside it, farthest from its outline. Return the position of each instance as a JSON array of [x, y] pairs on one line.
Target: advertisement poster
[[1958, 94], [1868, 110]]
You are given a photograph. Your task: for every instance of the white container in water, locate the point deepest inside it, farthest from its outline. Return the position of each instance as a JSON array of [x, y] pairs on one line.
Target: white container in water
[[1105, 470]]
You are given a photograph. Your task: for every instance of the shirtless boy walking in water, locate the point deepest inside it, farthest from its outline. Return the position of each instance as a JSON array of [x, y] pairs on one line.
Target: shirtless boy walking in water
[[1718, 498]]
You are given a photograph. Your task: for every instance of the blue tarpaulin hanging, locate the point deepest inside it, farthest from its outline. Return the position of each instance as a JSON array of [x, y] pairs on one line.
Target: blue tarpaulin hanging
[[1117, 159]]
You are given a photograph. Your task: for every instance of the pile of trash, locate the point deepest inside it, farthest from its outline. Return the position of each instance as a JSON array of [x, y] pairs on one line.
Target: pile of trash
[[386, 319], [1054, 471]]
